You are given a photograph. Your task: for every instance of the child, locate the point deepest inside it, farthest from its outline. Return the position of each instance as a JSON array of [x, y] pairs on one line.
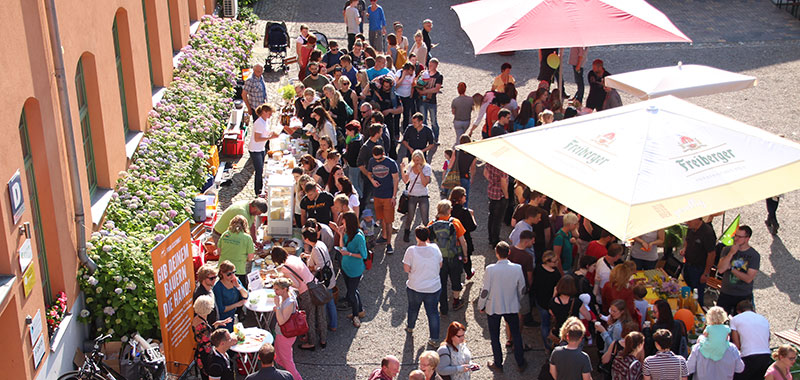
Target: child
[[639, 292], [368, 227], [714, 341], [423, 82], [448, 164]]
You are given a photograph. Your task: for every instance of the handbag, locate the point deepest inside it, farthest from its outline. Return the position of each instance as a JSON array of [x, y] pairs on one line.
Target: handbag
[[402, 203], [368, 260], [324, 274], [453, 177], [296, 325], [319, 294]]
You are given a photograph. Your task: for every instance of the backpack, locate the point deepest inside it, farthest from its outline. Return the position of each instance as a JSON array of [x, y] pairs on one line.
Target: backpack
[[443, 233]]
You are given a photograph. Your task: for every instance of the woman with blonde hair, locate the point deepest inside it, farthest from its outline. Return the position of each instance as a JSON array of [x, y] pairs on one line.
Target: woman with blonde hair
[[362, 87], [202, 329], [419, 48], [557, 212], [332, 102], [236, 245], [348, 96], [619, 287], [784, 356], [428, 361], [285, 305], [416, 176]]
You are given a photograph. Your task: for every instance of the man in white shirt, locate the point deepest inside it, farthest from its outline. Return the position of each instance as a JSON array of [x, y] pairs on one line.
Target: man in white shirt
[[503, 286], [257, 145], [352, 19], [603, 271], [422, 262], [750, 333]]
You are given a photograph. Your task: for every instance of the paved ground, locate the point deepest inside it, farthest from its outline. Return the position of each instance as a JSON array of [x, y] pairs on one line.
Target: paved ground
[[751, 37]]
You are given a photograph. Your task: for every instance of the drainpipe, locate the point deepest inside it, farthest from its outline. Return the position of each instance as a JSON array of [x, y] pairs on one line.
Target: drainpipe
[[66, 122]]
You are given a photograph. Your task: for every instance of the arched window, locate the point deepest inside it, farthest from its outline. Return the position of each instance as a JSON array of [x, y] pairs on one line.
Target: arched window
[[33, 195], [86, 128], [147, 41], [120, 78]]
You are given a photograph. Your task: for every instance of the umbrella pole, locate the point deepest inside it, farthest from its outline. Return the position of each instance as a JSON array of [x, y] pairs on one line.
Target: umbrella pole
[[561, 72]]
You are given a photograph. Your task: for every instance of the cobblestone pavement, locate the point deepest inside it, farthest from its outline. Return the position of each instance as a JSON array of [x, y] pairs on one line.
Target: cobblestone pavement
[[747, 36]]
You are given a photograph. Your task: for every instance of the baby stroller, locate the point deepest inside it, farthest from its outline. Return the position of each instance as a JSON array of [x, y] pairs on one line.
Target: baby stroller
[[276, 39], [322, 41]]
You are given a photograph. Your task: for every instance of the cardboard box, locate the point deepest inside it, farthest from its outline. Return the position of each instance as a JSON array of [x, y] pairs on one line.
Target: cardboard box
[[112, 351]]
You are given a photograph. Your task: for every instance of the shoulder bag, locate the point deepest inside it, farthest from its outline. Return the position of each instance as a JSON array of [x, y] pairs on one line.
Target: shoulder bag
[[319, 295], [402, 203], [296, 325], [453, 177]]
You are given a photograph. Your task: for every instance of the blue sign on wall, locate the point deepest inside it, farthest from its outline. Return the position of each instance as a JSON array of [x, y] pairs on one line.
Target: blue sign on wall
[[16, 197]]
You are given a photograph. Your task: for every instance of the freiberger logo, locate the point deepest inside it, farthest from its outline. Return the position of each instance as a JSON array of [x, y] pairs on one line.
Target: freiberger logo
[[705, 159], [605, 140], [687, 143]]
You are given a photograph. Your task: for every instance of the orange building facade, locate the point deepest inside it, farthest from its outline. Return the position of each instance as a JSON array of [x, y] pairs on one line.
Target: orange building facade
[[117, 55]]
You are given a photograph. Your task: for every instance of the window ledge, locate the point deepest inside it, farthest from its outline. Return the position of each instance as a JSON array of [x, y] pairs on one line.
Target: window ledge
[[158, 94], [132, 142], [193, 27], [62, 327], [100, 201]]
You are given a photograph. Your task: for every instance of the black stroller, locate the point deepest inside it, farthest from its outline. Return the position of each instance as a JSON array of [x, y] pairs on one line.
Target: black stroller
[[276, 39]]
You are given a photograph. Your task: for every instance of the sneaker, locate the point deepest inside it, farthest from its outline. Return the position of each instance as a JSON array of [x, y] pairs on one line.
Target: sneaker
[[361, 314], [470, 275], [458, 304], [494, 367], [406, 235], [356, 322], [389, 249]]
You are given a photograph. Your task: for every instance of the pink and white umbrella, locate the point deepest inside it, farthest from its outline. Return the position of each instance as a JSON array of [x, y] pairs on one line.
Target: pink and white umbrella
[[509, 25]]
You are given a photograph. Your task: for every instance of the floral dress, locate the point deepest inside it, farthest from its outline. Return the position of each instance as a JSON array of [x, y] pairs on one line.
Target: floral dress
[[202, 336]]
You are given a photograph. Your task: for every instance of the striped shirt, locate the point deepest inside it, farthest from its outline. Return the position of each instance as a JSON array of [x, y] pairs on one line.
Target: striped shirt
[[665, 366]]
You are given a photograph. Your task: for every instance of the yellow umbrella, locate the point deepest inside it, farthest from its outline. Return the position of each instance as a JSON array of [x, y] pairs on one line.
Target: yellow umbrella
[[648, 165]]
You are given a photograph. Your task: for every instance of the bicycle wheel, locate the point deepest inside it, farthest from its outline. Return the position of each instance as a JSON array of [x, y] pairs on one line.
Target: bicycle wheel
[[77, 375]]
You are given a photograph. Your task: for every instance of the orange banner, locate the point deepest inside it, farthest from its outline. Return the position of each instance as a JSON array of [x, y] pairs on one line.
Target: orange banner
[[174, 275]]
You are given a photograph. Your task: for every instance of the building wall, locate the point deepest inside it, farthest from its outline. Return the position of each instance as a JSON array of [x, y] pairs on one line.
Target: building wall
[[29, 86]]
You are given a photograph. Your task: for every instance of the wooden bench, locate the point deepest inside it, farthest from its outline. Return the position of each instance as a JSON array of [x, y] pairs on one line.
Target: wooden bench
[[791, 336]]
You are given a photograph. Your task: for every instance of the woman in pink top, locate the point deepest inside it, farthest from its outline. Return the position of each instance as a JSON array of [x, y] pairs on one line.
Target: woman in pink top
[[785, 357], [293, 267]]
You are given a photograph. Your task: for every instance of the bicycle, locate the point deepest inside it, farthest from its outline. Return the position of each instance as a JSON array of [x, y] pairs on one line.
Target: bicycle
[[145, 365]]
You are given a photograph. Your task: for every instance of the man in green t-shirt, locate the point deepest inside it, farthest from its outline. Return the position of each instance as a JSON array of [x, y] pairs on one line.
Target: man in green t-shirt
[[248, 209]]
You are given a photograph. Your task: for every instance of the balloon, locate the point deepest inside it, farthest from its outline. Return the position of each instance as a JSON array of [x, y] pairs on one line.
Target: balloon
[[553, 60], [687, 317]]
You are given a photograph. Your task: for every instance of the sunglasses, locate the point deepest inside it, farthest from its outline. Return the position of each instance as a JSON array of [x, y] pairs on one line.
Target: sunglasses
[[230, 273], [211, 278]]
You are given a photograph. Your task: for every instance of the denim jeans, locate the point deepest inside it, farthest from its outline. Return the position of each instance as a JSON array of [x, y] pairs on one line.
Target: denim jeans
[[545, 315], [460, 127], [330, 309], [353, 296], [415, 299], [497, 209], [465, 182], [257, 159], [354, 175], [579, 82], [416, 203], [692, 274], [429, 110], [512, 320]]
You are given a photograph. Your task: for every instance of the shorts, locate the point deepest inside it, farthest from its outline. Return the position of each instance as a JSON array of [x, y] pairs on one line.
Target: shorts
[[384, 210]]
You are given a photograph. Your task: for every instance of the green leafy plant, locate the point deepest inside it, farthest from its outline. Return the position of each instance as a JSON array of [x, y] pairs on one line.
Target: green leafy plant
[[288, 92], [155, 194]]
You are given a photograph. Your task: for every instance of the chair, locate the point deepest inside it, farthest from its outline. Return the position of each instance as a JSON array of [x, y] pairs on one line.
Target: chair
[[791, 336]]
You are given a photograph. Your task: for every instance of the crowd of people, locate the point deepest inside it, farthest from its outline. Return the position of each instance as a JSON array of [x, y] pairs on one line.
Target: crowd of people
[[369, 113]]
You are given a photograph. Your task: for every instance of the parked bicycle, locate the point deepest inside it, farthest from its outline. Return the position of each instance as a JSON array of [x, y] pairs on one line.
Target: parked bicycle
[[139, 361]]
